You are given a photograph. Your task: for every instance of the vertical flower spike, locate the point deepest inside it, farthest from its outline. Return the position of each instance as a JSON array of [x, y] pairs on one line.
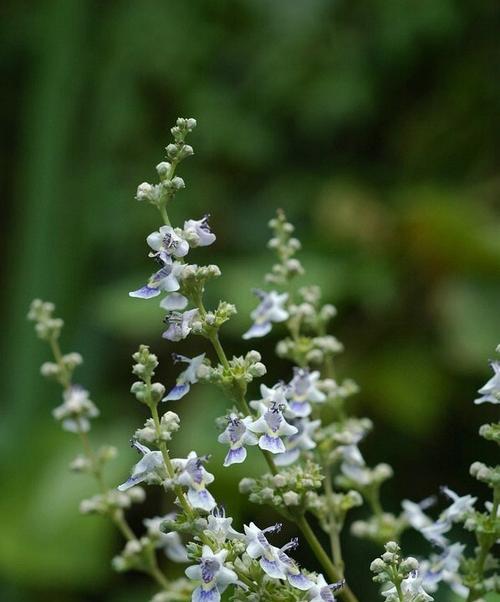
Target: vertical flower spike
[[179, 324], [186, 378], [273, 426], [270, 309], [150, 465], [237, 435], [192, 474], [302, 391], [198, 232], [490, 392], [214, 576]]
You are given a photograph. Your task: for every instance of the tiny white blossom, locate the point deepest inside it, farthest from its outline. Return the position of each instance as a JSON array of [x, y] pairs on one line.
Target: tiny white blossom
[[186, 378], [460, 506], [412, 589], [490, 392], [76, 410], [270, 309], [150, 465], [213, 575]]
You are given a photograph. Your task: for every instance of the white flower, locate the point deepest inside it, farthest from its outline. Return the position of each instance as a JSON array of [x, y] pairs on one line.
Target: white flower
[[192, 474], [167, 243], [302, 440], [198, 232], [219, 526], [412, 589], [186, 378], [269, 310], [444, 568], [302, 391], [179, 324], [237, 435], [459, 507], [291, 568], [321, 591], [76, 410], [165, 279], [490, 392], [214, 576], [273, 426], [149, 466], [170, 543], [259, 548]]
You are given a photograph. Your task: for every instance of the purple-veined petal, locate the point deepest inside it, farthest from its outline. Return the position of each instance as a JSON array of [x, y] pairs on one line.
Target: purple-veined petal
[[177, 392], [206, 595], [299, 581], [258, 330], [235, 456], [272, 568], [272, 444], [146, 292]]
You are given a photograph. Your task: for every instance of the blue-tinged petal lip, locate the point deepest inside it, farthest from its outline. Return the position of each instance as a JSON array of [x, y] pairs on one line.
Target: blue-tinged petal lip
[[300, 581], [206, 595], [235, 456], [272, 568], [272, 444], [146, 292], [258, 330], [177, 392]]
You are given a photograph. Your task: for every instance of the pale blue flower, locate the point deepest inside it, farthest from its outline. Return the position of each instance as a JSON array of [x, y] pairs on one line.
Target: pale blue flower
[[259, 548], [270, 309], [167, 243], [237, 435], [213, 575], [301, 441], [460, 506], [219, 526], [321, 591], [291, 569], [490, 392], [149, 466], [192, 474], [198, 232], [186, 378], [179, 324], [170, 543], [411, 588], [302, 391], [273, 426], [166, 279]]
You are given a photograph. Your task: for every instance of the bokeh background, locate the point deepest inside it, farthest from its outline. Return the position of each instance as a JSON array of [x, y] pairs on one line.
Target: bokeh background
[[374, 124]]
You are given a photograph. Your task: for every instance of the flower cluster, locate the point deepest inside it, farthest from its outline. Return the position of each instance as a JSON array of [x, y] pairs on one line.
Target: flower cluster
[[301, 426]]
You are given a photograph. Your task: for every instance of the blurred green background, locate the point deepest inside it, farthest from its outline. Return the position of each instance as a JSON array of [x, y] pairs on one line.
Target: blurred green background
[[374, 124]]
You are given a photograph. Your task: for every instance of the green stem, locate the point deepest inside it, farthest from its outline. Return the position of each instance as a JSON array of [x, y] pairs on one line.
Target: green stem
[[332, 571], [334, 527]]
